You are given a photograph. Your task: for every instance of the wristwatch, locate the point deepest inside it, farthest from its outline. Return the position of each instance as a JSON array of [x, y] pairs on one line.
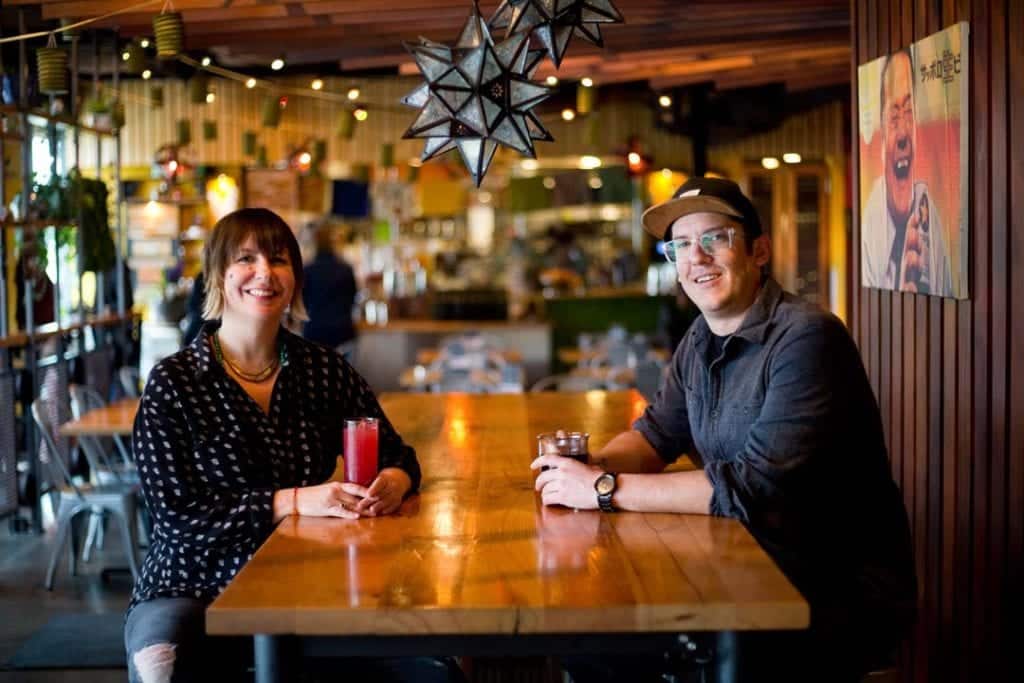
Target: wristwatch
[[605, 487]]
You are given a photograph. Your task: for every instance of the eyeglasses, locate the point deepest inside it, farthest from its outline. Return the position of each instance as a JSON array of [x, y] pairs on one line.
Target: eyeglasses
[[713, 242]]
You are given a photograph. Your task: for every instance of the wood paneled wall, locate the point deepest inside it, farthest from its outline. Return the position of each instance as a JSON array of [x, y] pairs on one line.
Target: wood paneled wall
[[949, 375]]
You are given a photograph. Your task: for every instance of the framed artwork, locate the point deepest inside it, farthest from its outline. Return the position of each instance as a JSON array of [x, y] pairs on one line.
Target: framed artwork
[[914, 168]]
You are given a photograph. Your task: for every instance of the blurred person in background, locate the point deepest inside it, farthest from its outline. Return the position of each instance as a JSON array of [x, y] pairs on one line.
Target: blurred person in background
[[329, 294]]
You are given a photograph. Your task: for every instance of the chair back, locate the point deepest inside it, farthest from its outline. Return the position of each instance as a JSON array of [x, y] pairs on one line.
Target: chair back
[[54, 459], [8, 449], [99, 369], [97, 449], [128, 376]]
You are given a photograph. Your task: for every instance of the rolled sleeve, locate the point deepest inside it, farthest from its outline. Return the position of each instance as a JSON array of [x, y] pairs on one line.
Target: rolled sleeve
[[665, 423]]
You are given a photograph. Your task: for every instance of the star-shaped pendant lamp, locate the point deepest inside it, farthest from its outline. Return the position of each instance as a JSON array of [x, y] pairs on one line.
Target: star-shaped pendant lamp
[[555, 21], [477, 95]]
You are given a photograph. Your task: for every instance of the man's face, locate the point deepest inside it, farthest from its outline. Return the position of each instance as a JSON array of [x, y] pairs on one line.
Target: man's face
[[723, 285], [899, 129]]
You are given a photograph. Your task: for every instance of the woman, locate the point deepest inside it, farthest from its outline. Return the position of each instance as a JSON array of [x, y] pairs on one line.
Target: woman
[[235, 432]]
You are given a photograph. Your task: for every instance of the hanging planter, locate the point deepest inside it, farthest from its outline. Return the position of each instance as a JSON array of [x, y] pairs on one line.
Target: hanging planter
[[184, 132], [387, 155], [169, 31], [117, 114], [261, 156], [52, 64], [346, 127], [319, 150], [271, 112], [248, 143], [209, 130], [156, 96], [198, 86], [133, 58]]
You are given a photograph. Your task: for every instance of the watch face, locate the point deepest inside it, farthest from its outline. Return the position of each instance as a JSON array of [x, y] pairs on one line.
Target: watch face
[[605, 484]]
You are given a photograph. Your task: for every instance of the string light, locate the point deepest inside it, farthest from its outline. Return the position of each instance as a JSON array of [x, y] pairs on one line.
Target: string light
[[147, 74], [568, 114], [792, 158], [665, 101], [125, 56], [277, 64], [210, 97], [251, 83], [771, 163], [206, 61], [552, 81], [144, 42], [587, 82], [317, 84], [360, 114], [353, 93]]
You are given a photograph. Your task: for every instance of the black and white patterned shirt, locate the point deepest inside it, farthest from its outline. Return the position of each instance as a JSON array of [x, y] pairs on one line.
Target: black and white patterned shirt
[[210, 459]]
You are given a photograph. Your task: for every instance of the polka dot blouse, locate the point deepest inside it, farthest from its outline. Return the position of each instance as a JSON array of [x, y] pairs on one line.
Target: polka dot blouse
[[210, 459]]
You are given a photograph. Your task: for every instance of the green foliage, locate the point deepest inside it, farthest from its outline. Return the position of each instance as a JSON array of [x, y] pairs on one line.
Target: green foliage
[[82, 200]]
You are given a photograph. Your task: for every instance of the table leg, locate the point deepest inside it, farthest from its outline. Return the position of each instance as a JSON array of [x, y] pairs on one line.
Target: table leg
[[269, 659]]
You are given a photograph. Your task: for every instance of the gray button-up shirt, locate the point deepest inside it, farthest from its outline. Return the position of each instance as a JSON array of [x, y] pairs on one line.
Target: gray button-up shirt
[[786, 428]]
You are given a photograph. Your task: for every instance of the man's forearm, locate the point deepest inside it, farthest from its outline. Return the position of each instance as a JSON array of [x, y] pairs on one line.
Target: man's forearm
[[643, 487], [680, 492], [628, 452]]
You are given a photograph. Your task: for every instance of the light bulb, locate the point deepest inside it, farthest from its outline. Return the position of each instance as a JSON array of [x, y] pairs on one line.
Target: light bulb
[[277, 64], [587, 82], [568, 114], [251, 83], [317, 84]]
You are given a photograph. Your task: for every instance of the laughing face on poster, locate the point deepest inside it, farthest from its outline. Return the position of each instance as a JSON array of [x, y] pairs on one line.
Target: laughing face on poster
[[903, 242]]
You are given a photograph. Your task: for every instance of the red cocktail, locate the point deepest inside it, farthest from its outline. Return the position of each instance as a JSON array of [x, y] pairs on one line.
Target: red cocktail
[[361, 451]]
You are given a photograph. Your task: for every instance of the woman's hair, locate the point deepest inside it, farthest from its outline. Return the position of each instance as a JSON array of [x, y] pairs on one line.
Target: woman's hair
[[272, 236]]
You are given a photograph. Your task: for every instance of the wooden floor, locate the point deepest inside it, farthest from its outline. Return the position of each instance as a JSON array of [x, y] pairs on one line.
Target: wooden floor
[[26, 605]]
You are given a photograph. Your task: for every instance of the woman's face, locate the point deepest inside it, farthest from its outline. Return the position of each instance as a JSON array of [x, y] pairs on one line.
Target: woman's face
[[258, 285]]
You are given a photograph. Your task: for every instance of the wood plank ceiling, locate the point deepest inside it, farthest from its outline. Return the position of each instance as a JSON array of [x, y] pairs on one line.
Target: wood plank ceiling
[[668, 43]]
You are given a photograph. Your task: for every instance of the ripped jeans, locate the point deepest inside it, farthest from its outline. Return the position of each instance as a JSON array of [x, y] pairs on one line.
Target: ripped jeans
[[166, 642]]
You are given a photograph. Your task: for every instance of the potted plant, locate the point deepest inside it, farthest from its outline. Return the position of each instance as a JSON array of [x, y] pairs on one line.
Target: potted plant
[[99, 113]]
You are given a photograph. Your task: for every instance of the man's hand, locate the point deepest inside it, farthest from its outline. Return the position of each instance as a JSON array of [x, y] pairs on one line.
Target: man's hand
[[915, 254], [386, 493], [567, 482]]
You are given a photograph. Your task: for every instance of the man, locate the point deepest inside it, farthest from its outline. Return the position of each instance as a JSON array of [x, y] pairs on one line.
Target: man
[[903, 244], [768, 396], [329, 295]]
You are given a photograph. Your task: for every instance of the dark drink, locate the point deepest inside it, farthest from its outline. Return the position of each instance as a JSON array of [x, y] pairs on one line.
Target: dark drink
[[567, 444], [361, 451]]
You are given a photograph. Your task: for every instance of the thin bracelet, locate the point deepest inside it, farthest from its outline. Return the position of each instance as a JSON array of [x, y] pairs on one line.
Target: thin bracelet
[[295, 497]]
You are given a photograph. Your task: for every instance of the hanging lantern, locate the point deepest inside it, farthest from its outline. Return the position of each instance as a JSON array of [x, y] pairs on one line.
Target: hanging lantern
[[197, 87], [261, 156], [271, 112], [156, 96], [169, 32], [133, 58], [68, 36], [387, 155], [584, 99], [209, 130], [249, 143], [319, 150], [184, 132], [52, 64], [346, 127]]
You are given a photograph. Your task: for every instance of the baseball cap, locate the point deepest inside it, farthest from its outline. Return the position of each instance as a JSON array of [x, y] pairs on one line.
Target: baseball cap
[[696, 195]]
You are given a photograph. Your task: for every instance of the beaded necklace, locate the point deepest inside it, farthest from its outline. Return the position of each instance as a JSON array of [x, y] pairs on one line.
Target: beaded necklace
[[255, 377]]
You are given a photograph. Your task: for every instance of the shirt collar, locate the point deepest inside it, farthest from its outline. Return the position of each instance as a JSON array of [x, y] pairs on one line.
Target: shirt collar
[[205, 359], [756, 323]]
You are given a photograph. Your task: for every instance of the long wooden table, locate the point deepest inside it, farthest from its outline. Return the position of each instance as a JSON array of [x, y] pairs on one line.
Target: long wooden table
[[115, 419], [474, 564]]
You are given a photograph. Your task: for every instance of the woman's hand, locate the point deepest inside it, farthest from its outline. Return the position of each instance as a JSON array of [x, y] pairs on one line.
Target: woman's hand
[[386, 493], [333, 499]]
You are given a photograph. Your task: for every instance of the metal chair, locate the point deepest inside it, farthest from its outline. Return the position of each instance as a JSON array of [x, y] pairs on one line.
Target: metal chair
[[128, 376], [73, 498], [567, 383]]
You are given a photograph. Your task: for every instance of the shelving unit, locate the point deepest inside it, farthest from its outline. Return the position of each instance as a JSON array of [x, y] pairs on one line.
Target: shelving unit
[[42, 353]]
